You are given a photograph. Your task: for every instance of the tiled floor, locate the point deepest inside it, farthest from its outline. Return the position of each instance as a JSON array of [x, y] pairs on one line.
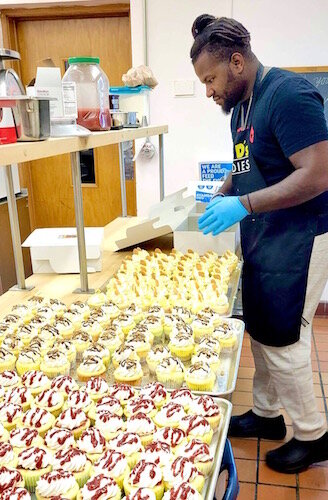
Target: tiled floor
[[257, 481]]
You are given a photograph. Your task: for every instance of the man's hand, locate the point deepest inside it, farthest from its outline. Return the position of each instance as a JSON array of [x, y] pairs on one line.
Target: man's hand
[[222, 213]]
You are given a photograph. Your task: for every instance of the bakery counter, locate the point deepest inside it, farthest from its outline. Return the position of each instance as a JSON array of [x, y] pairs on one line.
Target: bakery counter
[[62, 286]]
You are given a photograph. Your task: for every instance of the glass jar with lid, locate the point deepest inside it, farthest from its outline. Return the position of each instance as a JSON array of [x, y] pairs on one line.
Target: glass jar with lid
[[92, 92]]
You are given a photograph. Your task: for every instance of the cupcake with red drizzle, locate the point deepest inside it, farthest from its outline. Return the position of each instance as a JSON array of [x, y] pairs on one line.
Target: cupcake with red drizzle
[[9, 379], [158, 453], [64, 384], [39, 419], [197, 427], [199, 454], [172, 436], [10, 415], [79, 399], [50, 400], [140, 404], [35, 381], [75, 461], [182, 397], [208, 408], [123, 392], [57, 484], [109, 424], [183, 491], [170, 415], [24, 437], [16, 494], [113, 464], [129, 444], [7, 456], [4, 435], [146, 475], [141, 494], [156, 392], [73, 419], [9, 479], [141, 424], [100, 487], [93, 443], [19, 396], [183, 470], [97, 387], [58, 439], [33, 462], [105, 404]]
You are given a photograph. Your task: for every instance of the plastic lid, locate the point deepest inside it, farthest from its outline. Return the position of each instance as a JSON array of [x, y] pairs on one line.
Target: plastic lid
[[79, 60]]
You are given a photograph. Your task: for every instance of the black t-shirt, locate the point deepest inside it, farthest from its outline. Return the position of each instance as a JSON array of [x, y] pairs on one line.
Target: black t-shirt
[[288, 116]]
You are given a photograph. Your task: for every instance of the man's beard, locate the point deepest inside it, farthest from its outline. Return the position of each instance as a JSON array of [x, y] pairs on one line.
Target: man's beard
[[235, 95]]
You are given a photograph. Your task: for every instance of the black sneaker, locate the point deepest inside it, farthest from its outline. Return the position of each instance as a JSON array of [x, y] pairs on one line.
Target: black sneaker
[[296, 456], [251, 425]]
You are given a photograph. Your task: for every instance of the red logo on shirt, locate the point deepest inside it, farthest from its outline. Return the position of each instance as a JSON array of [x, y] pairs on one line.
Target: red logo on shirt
[[251, 135]]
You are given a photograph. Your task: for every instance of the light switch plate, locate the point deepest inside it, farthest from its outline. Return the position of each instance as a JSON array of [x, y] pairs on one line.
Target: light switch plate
[[184, 87]]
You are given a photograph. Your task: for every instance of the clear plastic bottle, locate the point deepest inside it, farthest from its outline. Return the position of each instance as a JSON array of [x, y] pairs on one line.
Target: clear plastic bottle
[[92, 91]]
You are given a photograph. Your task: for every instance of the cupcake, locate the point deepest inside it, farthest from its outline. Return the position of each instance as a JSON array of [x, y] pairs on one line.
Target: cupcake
[[208, 343], [100, 487], [113, 464], [170, 415], [135, 311], [222, 304], [75, 318], [81, 340], [19, 396], [106, 404], [81, 307], [97, 300], [93, 443], [146, 475], [68, 348], [74, 420], [101, 316], [26, 333], [50, 400], [57, 306], [157, 354], [172, 436], [170, 372], [202, 325], [140, 344], [182, 491], [57, 483], [10, 415], [4, 435], [37, 322], [6, 329], [34, 302], [197, 427], [129, 444], [23, 312], [58, 439], [207, 356], [28, 359], [156, 392], [7, 456], [50, 334], [9, 479], [110, 339], [182, 345], [97, 349], [200, 377], [9, 379], [208, 408], [64, 384], [65, 327], [109, 424], [13, 320], [140, 404], [227, 337], [125, 322], [79, 399], [74, 461], [16, 494], [155, 324], [24, 438], [123, 392], [92, 327], [39, 345], [124, 352], [183, 470], [158, 453], [92, 366], [33, 463], [7, 360], [39, 419], [96, 387], [111, 310], [129, 371], [47, 313], [199, 454], [212, 315], [170, 321], [183, 313], [141, 424], [182, 397], [55, 363]]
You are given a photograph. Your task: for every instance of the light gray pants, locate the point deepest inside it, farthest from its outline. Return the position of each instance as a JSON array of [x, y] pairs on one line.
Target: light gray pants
[[283, 375]]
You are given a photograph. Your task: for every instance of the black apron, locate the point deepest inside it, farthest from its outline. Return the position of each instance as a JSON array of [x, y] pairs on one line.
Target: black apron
[[276, 249]]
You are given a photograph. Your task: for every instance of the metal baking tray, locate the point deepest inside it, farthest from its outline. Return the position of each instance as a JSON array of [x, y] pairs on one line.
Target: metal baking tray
[[233, 288], [226, 380]]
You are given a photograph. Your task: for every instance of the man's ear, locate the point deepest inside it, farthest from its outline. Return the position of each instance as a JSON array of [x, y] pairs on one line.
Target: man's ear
[[237, 63]]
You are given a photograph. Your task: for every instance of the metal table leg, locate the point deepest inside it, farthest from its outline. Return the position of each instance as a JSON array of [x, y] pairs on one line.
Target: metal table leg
[[78, 203], [122, 178], [161, 166], [15, 233]]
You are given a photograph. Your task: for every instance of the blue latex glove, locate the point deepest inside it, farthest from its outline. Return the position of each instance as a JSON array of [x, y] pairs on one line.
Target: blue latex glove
[[222, 214]]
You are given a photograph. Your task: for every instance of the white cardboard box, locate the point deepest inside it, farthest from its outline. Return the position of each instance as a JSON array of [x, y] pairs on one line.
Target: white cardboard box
[[55, 250]]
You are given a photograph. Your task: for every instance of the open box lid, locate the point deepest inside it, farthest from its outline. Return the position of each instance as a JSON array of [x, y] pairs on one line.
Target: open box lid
[[164, 218], [63, 237]]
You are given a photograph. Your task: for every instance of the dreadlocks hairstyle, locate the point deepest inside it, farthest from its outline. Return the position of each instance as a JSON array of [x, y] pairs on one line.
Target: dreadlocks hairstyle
[[219, 36]]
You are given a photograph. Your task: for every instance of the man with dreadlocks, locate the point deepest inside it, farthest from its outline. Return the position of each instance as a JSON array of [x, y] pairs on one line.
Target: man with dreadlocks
[[277, 190]]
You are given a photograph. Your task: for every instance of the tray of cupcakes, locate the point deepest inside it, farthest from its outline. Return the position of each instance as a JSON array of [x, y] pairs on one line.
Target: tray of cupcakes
[[59, 440]]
